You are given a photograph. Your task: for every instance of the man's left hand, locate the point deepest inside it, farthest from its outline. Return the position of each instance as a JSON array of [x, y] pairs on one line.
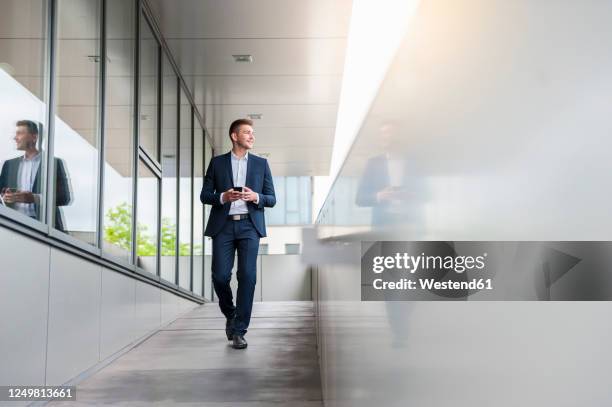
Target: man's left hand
[[248, 195], [23, 197]]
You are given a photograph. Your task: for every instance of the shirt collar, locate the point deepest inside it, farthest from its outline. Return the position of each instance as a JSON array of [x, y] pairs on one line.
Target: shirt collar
[[35, 158], [235, 157]]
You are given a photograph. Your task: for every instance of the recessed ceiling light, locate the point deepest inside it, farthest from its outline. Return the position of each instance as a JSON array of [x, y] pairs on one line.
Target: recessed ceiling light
[[243, 58], [255, 116]]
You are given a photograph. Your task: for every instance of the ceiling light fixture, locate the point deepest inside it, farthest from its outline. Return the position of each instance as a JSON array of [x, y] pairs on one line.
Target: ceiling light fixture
[[255, 116], [243, 58]]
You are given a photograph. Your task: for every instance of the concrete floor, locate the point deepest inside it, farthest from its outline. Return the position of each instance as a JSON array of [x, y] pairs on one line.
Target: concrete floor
[[190, 362]]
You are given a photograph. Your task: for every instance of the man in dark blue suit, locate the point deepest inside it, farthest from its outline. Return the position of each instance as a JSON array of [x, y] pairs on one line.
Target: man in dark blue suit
[[238, 185], [21, 180]]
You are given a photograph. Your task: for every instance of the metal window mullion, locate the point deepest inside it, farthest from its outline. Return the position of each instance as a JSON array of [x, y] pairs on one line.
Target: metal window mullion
[[101, 126], [160, 102], [203, 216], [150, 164], [311, 193], [50, 165], [44, 145], [212, 154], [191, 201], [136, 135], [152, 161], [149, 15], [178, 182], [300, 199]]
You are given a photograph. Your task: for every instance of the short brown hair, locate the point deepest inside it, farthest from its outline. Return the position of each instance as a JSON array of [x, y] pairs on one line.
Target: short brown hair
[[33, 127], [235, 126]]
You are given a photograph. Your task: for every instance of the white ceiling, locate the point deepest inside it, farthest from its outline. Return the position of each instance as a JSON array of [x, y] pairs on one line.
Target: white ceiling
[[298, 49], [294, 80]]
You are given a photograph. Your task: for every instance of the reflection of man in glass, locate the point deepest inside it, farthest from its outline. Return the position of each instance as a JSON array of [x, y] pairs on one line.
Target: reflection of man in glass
[[388, 187], [384, 185], [20, 178]]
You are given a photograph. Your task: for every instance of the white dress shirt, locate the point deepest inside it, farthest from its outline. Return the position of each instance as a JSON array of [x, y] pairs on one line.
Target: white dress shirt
[[239, 171], [28, 168], [395, 168]]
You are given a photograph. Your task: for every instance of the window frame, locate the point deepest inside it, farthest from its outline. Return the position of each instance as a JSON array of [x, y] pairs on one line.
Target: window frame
[[41, 230]]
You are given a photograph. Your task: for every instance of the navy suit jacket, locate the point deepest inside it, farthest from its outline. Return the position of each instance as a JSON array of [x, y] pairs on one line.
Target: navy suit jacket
[[219, 178], [63, 190], [375, 178]]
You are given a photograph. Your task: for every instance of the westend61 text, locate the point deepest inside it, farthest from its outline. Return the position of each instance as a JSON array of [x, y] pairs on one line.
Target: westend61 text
[[432, 284]]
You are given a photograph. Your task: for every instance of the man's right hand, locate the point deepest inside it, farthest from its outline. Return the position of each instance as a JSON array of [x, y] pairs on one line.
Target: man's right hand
[[7, 196], [230, 195], [385, 195]]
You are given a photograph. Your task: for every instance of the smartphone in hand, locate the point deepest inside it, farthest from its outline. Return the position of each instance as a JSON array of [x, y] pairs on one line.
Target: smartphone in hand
[[237, 189]]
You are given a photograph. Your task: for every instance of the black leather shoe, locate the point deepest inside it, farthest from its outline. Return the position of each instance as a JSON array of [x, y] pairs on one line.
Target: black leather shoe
[[239, 342]]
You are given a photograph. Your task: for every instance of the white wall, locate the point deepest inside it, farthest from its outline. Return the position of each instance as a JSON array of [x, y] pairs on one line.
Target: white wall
[[278, 236], [285, 278], [280, 277], [480, 353], [61, 314], [24, 285]]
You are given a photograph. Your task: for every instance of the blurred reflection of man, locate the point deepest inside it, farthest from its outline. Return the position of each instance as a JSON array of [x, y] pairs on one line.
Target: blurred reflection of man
[[394, 193], [387, 185], [20, 178], [238, 186]]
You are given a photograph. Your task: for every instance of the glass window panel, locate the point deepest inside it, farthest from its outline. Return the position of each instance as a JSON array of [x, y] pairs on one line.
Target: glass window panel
[[305, 200], [293, 218], [276, 215], [292, 194], [168, 162], [149, 54], [208, 154], [23, 59], [293, 203], [185, 200], [119, 129], [146, 230], [76, 121], [198, 211], [292, 248]]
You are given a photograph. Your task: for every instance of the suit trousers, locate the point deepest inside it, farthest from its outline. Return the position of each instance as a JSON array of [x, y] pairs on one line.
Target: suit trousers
[[240, 236]]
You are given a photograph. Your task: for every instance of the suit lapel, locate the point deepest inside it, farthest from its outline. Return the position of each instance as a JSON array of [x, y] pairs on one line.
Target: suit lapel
[[228, 161], [36, 186], [249, 172], [12, 178]]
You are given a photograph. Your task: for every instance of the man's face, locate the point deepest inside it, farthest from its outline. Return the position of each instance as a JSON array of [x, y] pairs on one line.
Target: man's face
[[245, 137], [24, 139], [387, 137]]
